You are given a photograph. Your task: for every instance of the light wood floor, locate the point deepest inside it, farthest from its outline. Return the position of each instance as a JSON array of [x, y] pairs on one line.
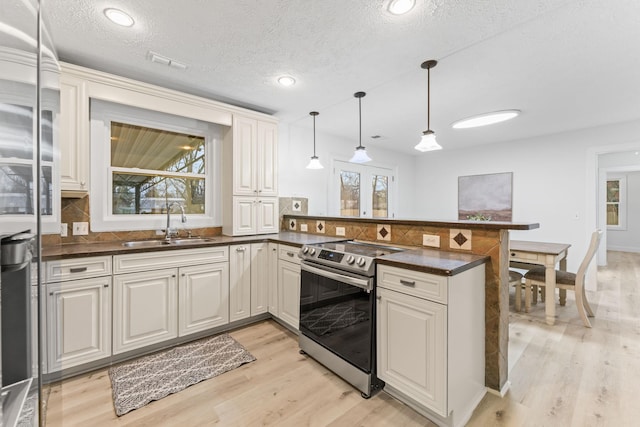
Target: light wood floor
[[561, 375]]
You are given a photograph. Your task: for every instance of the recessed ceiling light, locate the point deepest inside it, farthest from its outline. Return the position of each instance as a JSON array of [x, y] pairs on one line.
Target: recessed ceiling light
[[286, 81], [400, 7], [119, 17], [485, 119]]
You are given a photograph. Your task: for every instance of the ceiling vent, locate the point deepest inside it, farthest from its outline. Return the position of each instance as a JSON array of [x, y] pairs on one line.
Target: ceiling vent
[[161, 59]]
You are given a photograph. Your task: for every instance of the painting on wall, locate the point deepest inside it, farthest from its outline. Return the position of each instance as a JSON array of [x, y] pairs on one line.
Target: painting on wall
[[485, 197]]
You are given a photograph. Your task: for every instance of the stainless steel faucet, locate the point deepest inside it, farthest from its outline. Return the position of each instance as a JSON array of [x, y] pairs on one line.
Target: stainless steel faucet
[[169, 233]]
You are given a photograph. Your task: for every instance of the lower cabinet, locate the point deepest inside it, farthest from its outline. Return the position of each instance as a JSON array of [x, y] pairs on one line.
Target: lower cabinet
[[78, 322], [289, 286], [203, 295], [145, 308], [430, 340], [272, 278], [239, 282]]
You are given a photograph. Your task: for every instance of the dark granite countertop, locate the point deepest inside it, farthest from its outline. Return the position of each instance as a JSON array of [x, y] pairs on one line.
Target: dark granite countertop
[[79, 250], [443, 263]]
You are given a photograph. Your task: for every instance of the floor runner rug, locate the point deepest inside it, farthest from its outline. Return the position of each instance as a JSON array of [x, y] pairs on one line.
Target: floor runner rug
[[138, 382]]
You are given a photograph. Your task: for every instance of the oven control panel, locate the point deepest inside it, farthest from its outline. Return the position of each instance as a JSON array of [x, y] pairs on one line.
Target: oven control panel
[[331, 255]]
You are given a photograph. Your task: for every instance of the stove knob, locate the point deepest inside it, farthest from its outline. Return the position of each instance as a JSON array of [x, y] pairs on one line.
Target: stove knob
[[350, 259], [361, 262], [312, 251], [305, 250]]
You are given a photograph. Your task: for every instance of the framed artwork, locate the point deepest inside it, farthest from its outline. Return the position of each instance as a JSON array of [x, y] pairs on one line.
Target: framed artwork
[[486, 197]]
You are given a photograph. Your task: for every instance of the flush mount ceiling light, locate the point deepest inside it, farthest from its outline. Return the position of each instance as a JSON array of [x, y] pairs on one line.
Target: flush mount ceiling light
[[286, 81], [315, 162], [119, 17], [360, 155], [400, 7], [486, 119], [428, 140]]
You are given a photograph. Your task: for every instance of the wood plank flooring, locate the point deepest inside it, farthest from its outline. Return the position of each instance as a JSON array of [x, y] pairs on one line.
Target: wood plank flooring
[[561, 375]]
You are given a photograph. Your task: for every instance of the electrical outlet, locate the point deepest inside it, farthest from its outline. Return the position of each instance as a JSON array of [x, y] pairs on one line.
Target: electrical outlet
[[80, 228], [340, 231], [304, 227], [64, 229], [431, 240]]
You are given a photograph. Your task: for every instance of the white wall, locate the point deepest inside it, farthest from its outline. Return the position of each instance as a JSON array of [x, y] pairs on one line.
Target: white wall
[[554, 183], [296, 148], [628, 240]]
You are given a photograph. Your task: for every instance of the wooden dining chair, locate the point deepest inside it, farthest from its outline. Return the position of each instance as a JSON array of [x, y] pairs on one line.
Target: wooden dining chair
[[570, 281]]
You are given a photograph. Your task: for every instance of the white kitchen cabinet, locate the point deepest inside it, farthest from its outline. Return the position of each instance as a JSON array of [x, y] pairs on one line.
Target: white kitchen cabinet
[[203, 297], [239, 282], [430, 340], [272, 278], [250, 186], [255, 215], [259, 278], [255, 157], [289, 285], [78, 322], [74, 136], [145, 308]]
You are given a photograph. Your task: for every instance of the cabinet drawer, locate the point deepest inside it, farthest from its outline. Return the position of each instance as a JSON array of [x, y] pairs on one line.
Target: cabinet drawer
[[166, 259], [288, 253], [422, 285], [77, 268]]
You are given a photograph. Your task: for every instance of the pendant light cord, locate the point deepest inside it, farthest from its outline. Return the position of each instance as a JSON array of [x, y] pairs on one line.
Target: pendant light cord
[[360, 120], [314, 135], [428, 98]]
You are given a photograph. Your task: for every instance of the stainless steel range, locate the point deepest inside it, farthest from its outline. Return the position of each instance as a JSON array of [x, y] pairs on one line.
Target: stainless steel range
[[337, 309]]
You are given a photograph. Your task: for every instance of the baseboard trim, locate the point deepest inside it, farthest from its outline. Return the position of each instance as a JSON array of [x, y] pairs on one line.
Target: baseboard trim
[[623, 249], [503, 391]]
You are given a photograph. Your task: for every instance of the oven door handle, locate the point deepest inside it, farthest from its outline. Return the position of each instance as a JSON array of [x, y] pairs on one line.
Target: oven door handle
[[331, 273]]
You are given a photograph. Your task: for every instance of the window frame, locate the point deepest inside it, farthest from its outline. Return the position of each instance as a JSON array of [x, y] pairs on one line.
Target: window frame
[[366, 174], [102, 113], [622, 202]]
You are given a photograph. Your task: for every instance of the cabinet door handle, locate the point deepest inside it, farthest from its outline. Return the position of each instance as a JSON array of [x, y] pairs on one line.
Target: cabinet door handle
[[78, 270], [173, 275], [183, 274], [106, 285], [240, 249], [407, 283], [291, 254], [378, 297], [274, 249]]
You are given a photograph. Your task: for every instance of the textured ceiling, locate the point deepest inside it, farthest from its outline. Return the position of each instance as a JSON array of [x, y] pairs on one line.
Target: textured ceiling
[[565, 64]]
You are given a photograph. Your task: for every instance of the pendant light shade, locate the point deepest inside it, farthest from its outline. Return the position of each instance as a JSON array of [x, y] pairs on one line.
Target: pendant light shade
[[360, 155], [428, 141], [314, 163]]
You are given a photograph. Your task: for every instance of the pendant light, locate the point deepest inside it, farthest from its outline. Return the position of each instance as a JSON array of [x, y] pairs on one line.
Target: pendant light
[[428, 141], [360, 155], [315, 162]]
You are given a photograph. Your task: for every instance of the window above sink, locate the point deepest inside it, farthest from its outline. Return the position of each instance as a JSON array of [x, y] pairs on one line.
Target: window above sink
[[142, 160]]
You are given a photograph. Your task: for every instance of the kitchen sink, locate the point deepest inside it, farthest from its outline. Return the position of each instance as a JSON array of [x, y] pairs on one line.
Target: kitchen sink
[[163, 242]]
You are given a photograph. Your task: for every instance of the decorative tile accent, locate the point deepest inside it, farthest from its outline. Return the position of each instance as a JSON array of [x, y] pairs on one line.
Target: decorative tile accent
[[460, 239], [296, 205], [292, 224], [320, 227], [384, 232]]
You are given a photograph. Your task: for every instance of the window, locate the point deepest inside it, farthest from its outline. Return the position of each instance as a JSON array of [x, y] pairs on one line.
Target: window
[[616, 209], [145, 160], [362, 191]]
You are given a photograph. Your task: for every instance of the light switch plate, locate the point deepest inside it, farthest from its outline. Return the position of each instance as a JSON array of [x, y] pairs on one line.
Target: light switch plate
[[64, 229], [304, 227], [340, 231], [80, 228], [431, 240]]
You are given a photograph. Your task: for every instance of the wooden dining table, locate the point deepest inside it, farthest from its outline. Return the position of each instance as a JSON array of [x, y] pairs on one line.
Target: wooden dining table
[[522, 254]]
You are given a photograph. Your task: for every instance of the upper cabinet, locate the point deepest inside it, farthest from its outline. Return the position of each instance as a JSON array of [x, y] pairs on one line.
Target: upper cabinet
[[250, 189], [255, 158], [74, 136]]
